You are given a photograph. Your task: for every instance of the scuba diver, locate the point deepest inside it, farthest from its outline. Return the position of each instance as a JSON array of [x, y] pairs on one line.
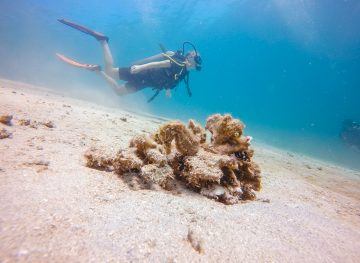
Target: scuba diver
[[350, 134], [163, 71]]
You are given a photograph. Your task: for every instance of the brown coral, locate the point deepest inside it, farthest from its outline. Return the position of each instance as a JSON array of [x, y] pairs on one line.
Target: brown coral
[[127, 161], [97, 159], [154, 175], [227, 134], [222, 169], [148, 149], [198, 131], [185, 140]]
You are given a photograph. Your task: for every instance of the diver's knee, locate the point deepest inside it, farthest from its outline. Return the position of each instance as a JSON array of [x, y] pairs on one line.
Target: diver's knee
[[121, 90], [112, 72]]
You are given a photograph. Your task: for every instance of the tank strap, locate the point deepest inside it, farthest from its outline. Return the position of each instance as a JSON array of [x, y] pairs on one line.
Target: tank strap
[[177, 75], [186, 80], [180, 64]]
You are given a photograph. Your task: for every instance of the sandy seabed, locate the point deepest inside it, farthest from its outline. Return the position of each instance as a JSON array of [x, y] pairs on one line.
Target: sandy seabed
[[53, 208]]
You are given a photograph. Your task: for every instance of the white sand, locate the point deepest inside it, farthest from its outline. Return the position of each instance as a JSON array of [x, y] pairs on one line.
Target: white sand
[[53, 208]]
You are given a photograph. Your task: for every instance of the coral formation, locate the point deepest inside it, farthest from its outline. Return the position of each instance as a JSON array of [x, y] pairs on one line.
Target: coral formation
[[221, 169], [97, 159]]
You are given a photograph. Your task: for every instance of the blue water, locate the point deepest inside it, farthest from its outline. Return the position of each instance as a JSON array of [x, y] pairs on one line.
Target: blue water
[[289, 69]]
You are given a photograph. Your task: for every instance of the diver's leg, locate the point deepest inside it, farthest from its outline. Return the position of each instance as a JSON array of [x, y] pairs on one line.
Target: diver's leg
[[109, 68], [120, 89], [109, 61]]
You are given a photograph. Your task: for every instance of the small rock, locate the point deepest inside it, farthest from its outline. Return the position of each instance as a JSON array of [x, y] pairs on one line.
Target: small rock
[[48, 124], [22, 252], [6, 119], [34, 125], [5, 134], [123, 119], [264, 200], [39, 162], [39, 165], [195, 241], [24, 122]]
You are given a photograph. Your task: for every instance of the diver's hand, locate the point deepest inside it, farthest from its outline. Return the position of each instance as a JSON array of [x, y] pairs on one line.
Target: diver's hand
[[135, 69]]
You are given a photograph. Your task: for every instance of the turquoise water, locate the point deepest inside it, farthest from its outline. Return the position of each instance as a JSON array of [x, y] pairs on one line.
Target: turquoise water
[[289, 69]]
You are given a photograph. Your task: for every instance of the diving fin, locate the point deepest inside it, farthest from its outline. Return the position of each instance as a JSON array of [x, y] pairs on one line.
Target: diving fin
[[74, 63], [97, 35]]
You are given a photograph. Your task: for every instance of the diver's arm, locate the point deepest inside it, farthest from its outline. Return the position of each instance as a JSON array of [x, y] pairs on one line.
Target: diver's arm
[[157, 57], [160, 64]]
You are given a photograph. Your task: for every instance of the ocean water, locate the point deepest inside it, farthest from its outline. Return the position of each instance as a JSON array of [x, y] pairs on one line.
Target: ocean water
[[289, 69]]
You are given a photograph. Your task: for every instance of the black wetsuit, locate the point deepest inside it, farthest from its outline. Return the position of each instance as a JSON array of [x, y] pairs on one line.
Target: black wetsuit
[[157, 78]]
